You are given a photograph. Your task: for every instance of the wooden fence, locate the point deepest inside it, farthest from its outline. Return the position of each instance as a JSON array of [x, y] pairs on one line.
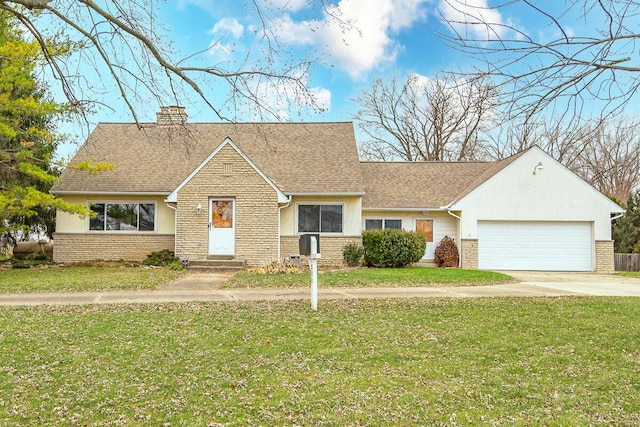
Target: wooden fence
[[626, 262]]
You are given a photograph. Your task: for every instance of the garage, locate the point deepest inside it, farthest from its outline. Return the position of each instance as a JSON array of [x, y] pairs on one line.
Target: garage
[[535, 245]]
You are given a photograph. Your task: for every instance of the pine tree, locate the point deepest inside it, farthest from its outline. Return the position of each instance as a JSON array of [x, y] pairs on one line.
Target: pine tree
[[27, 141], [626, 229]]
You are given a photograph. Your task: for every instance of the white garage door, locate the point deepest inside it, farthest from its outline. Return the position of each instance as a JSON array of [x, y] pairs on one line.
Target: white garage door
[[528, 245]]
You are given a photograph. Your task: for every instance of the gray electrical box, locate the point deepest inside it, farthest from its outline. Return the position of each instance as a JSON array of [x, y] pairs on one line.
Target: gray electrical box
[[294, 260], [305, 243]]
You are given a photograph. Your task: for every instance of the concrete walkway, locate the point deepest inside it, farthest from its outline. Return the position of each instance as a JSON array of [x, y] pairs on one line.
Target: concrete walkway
[[206, 287]]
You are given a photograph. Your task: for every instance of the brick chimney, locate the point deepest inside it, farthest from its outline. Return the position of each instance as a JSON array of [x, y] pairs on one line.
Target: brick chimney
[[172, 115]]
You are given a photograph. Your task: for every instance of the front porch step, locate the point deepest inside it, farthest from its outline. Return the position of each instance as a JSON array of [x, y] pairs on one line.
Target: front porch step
[[217, 265]]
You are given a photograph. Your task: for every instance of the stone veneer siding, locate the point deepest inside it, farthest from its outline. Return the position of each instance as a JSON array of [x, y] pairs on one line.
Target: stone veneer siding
[[604, 256], [330, 249], [469, 253], [229, 176], [74, 247]]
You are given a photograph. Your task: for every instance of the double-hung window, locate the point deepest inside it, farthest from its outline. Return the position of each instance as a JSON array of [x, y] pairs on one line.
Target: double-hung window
[[122, 216], [379, 224], [320, 218]]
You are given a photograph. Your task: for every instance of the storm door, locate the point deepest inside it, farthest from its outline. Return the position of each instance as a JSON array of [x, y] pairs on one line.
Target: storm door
[[222, 231]]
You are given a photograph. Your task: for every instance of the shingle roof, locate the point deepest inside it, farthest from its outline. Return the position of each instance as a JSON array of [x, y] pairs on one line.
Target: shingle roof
[[298, 157], [417, 184]]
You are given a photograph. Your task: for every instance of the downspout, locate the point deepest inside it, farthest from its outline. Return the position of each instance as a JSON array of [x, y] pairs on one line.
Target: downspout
[[279, 214], [459, 234], [616, 217], [175, 226]]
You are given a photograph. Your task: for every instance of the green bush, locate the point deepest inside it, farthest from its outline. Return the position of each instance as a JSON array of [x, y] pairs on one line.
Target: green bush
[[352, 254], [161, 258], [32, 260], [392, 248]]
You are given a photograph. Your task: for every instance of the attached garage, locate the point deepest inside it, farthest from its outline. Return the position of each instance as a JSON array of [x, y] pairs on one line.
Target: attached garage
[[535, 245]]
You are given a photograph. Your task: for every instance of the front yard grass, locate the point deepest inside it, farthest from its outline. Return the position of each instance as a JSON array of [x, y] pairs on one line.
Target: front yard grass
[[84, 279], [552, 361], [371, 277], [127, 278], [629, 273]]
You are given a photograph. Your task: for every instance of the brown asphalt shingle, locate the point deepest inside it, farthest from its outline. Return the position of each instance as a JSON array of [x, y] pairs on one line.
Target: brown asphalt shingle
[[417, 184], [298, 157]]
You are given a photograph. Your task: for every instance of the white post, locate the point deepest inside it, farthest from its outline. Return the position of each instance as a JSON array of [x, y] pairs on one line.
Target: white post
[[313, 264]]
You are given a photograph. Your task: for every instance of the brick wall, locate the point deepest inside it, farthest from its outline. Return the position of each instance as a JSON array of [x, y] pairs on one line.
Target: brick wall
[[330, 248], [604, 256], [469, 253], [74, 247], [228, 175]]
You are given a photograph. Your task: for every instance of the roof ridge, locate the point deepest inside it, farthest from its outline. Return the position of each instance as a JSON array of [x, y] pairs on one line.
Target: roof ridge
[[235, 123], [428, 162]]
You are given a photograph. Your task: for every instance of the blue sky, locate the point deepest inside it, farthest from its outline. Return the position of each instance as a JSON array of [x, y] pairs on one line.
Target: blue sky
[[381, 38]]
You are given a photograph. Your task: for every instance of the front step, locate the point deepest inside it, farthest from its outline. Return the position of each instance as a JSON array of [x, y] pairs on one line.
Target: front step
[[217, 265]]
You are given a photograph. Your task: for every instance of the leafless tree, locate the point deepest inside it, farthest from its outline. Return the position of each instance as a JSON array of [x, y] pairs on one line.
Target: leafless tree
[[605, 153], [570, 70], [565, 140], [121, 44], [611, 162], [422, 119]]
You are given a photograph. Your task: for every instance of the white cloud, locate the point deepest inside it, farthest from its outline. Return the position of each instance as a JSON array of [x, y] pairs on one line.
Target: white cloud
[[228, 26], [280, 100], [322, 98], [473, 18], [354, 35]]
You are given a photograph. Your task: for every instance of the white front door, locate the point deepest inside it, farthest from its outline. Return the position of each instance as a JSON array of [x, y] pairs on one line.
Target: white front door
[[222, 227], [425, 227]]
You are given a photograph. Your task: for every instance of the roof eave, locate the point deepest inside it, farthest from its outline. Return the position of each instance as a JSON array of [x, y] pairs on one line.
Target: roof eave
[[434, 209], [316, 194], [103, 193]]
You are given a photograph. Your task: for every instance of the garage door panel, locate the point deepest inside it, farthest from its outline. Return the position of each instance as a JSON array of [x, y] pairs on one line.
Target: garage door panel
[[532, 245]]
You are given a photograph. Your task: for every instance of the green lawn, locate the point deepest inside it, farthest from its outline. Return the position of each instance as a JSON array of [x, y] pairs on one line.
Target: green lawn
[[371, 277], [629, 273], [83, 279], [110, 278], [555, 361]]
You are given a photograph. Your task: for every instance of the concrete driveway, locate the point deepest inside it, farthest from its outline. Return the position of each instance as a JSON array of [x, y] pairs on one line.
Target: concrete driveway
[[580, 283]]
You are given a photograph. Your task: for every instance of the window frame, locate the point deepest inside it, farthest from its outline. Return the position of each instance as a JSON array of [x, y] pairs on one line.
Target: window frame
[[383, 220], [342, 211], [106, 203]]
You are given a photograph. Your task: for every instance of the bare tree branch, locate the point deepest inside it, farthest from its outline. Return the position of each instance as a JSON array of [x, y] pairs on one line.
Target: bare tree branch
[[122, 37], [426, 119], [571, 70]]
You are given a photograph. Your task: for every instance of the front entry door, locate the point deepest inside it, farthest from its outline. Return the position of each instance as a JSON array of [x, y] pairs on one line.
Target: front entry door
[[425, 227], [222, 228]]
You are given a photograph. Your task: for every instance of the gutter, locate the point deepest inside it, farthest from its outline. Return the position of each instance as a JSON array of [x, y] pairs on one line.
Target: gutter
[[279, 224], [175, 226], [459, 234], [316, 194], [617, 216], [107, 193]]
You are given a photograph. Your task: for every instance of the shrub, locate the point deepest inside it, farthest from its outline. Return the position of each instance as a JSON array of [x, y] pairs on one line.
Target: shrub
[[446, 254], [161, 258], [32, 260], [392, 248], [352, 254]]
